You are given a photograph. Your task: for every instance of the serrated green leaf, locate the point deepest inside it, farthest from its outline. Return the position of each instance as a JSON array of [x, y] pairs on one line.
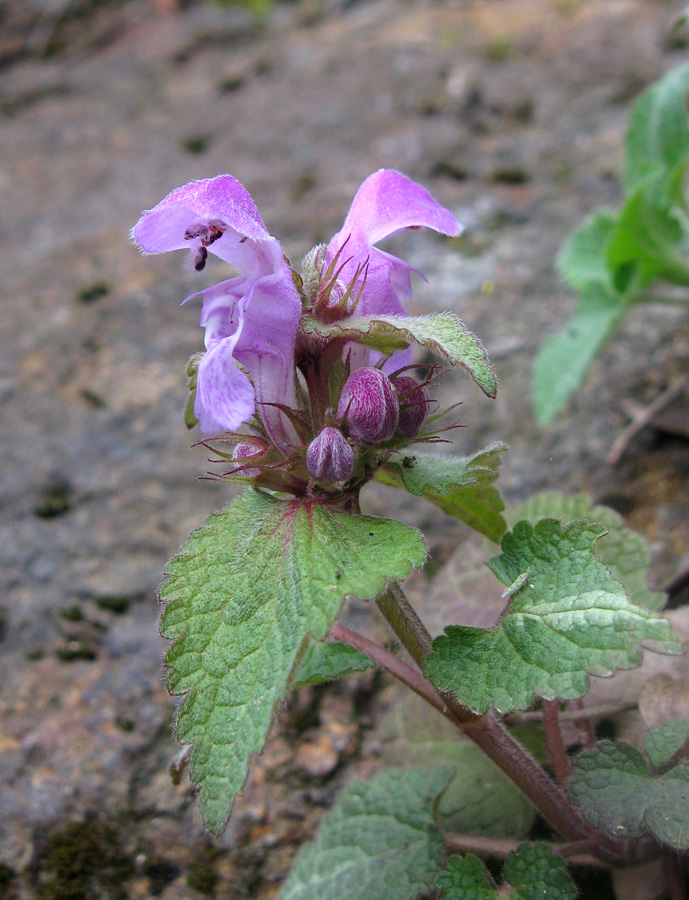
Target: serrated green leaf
[[664, 741], [441, 333], [328, 661], [582, 260], [658, 129], [243, 594], [651, 235], [378, 842], [531, 872], [480, 799], [625, 553], [461, 486], [564, 359], [616, 793], [569, 619]]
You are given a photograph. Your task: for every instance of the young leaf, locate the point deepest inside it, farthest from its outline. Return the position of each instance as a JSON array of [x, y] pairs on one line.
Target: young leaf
[[616, 793], [479, 799], [442, 333], [564, 359], [462, 487], [531, 872], [379, 841], [625, 553], [658, 129], [582, 261], [329, 661], [243, 594], [650, 236], [569, 618]]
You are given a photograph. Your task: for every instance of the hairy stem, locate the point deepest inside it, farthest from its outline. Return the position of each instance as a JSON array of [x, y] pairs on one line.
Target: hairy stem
[[557, 752], [495, 741], [574, 851]]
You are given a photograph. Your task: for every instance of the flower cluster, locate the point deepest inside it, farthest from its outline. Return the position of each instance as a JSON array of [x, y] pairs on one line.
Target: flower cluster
[[314, 405]]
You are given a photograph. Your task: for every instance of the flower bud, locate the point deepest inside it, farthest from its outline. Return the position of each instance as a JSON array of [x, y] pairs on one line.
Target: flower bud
[[368, 403], [247, 450], [414, 400], [329, 457]]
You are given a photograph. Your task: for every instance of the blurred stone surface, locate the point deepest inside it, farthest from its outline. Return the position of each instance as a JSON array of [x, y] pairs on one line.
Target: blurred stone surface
[[511, 113]]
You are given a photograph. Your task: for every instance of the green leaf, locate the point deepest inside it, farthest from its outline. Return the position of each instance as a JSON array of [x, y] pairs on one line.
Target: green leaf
[[651, 236], [564, 359], [616, 793], [442, 333], [665, 741], [479, 799], [532, 871], [378, 842], [461, 486], [243, 595], [570, 618], [582, 260], [658, 129], [625, 553], [327, 662]]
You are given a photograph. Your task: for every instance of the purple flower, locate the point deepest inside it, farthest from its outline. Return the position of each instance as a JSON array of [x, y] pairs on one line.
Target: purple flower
[[329, 457], [384, 204], [251, 319]]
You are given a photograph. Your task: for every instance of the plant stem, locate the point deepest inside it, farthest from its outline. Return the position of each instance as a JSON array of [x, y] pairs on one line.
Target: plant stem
[[557, 752], [582, 719], [497, 743], [574, 851]]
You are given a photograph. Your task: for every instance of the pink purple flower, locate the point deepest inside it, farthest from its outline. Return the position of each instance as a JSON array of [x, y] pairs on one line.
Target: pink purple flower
[[251, 319], [368, 406]]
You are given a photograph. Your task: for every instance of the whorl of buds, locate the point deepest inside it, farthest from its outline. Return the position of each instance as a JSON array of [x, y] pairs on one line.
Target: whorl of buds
[[329, 457], [245, 450], [414, 401], [368, 405]]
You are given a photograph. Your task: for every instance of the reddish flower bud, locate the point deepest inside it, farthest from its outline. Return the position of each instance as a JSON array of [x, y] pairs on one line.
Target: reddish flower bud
[[329, 457], [368, 403], [414, 400]]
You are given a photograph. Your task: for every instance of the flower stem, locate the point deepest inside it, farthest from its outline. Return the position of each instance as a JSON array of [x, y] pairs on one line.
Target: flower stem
[[557, 751], [574, 851]]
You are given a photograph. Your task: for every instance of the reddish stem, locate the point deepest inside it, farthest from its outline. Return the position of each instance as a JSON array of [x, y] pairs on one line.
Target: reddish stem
[[557, 752]]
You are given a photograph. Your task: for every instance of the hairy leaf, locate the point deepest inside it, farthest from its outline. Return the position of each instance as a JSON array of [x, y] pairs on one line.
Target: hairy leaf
[[625, 553], [665, 742], [658, 129], [565, 619], [463, 487], [531, 872], [378, 842], [442, 333], [243, 594], [616, 793], [329, 661], [564, 359], [479, 799]]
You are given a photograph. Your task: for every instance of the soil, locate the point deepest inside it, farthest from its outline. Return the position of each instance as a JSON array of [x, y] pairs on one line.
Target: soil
[[512, 113]]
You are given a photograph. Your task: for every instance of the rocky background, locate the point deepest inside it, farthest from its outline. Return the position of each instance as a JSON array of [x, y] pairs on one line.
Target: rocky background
[[512, 113]]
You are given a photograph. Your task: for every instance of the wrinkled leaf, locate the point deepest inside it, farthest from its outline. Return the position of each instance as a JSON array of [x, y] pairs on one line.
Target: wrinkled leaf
[[243, 594], [378, 842], [625, 553], [666, 741], [463, 487], [616, 793], [531, 872], [329, 661], [479, 799], [569, 618], [442, 333]]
